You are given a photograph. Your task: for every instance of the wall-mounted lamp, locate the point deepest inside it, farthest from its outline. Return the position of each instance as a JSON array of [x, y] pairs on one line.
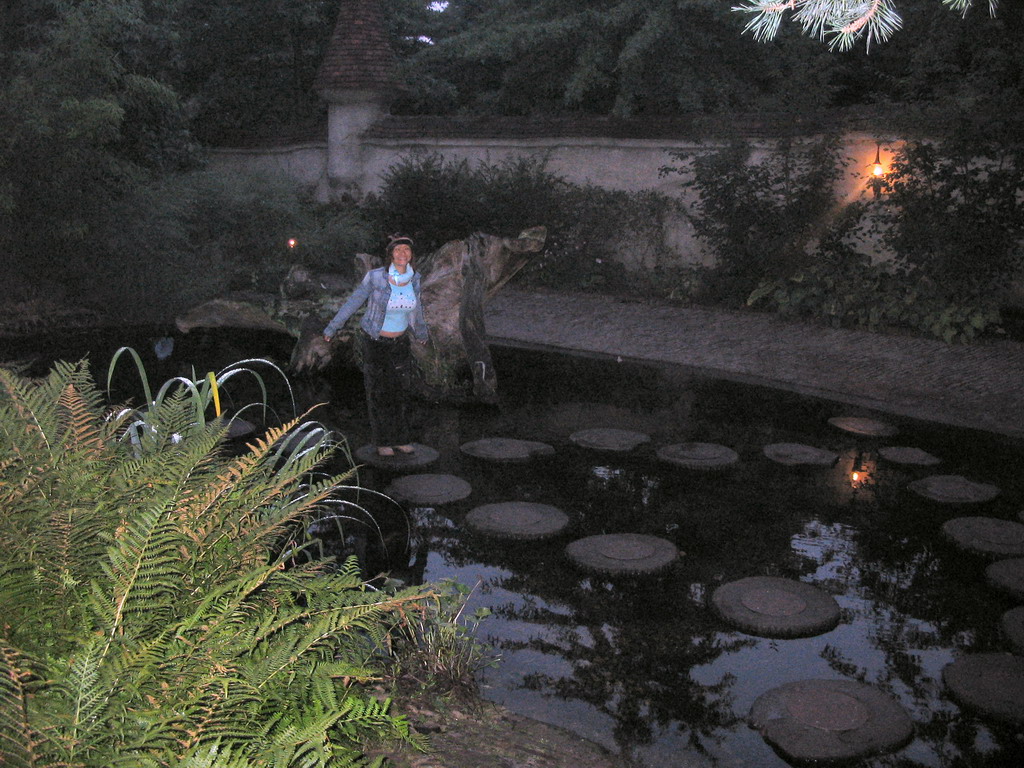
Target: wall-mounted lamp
[[877, 180], [877, 169]]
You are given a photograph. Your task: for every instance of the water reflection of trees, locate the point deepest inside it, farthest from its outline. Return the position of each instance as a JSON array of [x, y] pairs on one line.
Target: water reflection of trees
[[626, 648], [631, 643], [918, 598]]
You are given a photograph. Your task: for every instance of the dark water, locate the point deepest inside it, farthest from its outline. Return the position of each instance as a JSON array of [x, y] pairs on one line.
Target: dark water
[[642, 665]]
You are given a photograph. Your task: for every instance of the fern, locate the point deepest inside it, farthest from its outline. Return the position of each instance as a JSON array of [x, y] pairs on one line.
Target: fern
[[18, 737], [147, 602]]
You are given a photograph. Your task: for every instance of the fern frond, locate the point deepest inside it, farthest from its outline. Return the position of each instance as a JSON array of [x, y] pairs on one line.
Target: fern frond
[[19, 739], [82, 423], [143, 569]]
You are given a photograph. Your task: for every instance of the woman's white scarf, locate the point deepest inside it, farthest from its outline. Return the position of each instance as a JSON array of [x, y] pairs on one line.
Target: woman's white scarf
[[397, 278]]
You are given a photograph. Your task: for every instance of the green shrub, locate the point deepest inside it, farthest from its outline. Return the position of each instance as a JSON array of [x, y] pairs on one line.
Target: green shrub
[[187, 238], [435, 201], [758, 218], [438, 650], [150, 617], [844, 289], [953, 212]]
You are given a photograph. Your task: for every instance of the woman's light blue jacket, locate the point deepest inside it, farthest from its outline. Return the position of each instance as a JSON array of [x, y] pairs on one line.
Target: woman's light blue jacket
[[376, 288]]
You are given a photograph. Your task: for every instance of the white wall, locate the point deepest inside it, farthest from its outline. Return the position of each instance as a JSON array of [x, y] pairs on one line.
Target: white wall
[[620, 164]]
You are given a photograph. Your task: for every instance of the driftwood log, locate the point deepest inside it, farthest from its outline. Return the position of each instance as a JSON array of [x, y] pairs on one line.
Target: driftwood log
[[457, 280]]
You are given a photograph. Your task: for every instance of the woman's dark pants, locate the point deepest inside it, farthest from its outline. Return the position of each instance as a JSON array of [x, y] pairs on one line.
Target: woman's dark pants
[[385, 363]]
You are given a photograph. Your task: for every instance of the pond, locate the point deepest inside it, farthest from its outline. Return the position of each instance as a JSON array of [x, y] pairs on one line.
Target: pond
[[641, 664]]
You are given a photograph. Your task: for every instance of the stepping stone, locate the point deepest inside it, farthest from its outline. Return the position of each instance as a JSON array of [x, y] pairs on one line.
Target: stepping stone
[[830, 720], [798, 454], [953, 489], [622, 553], [861, 425], [424, 456], [698, 455], [506, 449], [427, 490], [239, 428], [1012, 625], [608, 439], [517, 520], [1007, 575], [992, 683], [987, 536], [902, 454], [768, 606]]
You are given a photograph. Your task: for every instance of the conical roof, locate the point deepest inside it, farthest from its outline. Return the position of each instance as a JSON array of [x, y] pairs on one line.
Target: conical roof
[[359, 56]]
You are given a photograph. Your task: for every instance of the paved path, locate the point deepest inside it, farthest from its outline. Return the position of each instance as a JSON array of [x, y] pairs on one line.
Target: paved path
[[980, 385]]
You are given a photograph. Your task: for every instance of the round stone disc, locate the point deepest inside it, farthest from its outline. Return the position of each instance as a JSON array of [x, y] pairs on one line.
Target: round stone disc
[[1007, 575], [861, 425], [992, 683], [426, 489], [424, 456], [903, 454], [953, 489], [239, 428], [608, 439], [505, 449], [1012, 625], [988, 536], [830, 720], [622, 553], [517, 520], [768, 606], [798, 454], [698, 455]]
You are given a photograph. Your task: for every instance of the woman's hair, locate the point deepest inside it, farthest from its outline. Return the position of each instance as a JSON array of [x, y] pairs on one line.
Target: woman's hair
[[396, 240]]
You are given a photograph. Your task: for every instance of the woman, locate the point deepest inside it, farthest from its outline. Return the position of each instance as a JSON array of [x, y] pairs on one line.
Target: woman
[[394, 307]]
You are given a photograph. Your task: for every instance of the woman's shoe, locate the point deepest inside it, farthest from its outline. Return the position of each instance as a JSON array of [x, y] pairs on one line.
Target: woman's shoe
[[406, 449], [385, 451]]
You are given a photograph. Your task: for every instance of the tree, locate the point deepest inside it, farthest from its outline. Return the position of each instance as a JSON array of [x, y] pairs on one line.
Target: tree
[[841, 22], [86, 114], [623, 57]]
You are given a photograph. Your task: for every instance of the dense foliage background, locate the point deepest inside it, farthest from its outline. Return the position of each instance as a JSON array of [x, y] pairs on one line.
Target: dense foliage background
[[106, 107]]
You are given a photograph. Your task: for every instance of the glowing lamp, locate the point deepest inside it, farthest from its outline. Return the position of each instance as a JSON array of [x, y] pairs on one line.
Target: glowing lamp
[[877, 178], [292, 242]]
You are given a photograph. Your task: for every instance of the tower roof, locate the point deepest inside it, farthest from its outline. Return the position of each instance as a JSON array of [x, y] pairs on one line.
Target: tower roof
[[359, 56]]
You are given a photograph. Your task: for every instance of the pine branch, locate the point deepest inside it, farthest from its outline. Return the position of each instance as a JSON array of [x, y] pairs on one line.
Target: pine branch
[[841, 22]]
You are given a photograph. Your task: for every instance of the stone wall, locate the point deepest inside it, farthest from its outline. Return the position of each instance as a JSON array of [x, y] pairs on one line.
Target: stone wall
[[357, 166]]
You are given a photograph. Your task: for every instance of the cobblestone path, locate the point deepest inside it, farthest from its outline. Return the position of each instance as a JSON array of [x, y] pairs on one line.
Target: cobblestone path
[[979, 385]]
